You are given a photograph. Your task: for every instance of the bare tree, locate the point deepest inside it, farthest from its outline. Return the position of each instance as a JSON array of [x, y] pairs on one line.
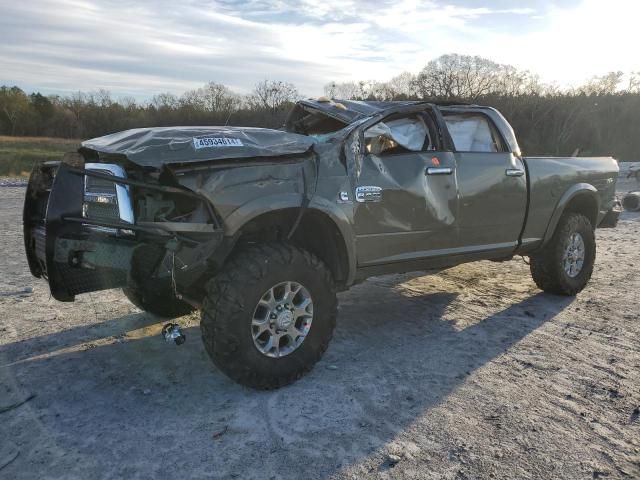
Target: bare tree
[[403, 85], [102, 98], [128, 103], [76, 104], [192, 99], [459, 76], [165, 101], [379, 91], [330, 89], [346, 90], [509, 81], [606, 84], [634, 82], [218, 98], [273, 95]]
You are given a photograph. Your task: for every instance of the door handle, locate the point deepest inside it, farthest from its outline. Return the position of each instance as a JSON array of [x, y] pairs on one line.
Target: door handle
[[514, 172], [439, 171]]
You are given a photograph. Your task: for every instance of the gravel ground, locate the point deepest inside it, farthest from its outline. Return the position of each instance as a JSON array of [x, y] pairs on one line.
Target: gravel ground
[[470, 373], [13, 182]]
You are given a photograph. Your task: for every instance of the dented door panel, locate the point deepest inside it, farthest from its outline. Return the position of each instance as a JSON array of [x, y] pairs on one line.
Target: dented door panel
[[412, 215]]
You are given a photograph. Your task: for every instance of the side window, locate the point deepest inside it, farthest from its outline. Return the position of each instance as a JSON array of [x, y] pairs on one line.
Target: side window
[[399, 135], [473, 132]]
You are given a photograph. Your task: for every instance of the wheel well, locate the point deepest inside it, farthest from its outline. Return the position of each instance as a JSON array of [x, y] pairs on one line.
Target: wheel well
[[586, 205], [316, 233]]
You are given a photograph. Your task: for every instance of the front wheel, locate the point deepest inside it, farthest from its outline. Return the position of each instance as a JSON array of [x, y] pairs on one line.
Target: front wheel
[[269, 315], [564, 266]]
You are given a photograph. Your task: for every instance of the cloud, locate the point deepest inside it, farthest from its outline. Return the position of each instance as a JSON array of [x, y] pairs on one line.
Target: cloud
[[149, 46], [574, 44]]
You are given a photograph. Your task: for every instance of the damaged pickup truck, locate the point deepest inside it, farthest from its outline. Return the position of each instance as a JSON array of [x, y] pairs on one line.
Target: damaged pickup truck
[[260, 228]]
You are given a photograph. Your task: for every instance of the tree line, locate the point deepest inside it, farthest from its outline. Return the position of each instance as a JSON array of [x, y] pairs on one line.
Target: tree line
[[600, 117]]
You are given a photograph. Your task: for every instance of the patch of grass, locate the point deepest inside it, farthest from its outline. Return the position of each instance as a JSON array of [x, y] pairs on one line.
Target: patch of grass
[[18, 155]]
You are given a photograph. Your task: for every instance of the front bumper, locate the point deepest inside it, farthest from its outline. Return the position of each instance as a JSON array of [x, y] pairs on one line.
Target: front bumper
[[76, 253]]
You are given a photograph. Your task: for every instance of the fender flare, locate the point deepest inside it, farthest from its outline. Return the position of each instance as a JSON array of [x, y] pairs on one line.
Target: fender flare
[[565, 199], [253, 209]]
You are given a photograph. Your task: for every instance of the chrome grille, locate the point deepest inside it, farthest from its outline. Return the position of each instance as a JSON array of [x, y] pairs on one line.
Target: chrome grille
[[99, 185], [101, 211]]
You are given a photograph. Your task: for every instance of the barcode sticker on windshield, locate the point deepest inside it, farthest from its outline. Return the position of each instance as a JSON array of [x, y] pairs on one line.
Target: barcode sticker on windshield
[[214, 142]]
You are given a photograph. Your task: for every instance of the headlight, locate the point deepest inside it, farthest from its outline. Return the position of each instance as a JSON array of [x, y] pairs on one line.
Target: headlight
[[105, 200]]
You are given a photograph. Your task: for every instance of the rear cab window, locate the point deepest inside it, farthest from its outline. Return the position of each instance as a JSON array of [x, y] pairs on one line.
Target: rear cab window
[[474, 132]]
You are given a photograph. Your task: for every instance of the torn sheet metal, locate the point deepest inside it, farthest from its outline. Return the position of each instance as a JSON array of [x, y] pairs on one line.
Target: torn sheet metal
[[154, 147], [232, 188], [349, 111]]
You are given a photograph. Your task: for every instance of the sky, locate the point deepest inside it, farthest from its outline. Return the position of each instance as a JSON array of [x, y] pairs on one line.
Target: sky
[[140, 48]]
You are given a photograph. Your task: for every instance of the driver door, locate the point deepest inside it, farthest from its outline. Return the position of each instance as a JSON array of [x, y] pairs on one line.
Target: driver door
[[405, 192]]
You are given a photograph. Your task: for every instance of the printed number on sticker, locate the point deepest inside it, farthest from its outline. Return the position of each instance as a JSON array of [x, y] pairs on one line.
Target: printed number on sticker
[[208, 142]]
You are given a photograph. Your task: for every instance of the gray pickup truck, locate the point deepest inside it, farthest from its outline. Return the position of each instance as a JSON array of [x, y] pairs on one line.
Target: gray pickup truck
[[260, 228]]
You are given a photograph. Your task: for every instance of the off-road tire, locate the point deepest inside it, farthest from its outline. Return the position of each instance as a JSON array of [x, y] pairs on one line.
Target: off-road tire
[[230, 302], [157, 298], [546, 265]]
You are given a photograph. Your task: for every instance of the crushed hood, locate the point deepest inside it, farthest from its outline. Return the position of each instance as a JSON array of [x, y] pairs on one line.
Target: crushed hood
[[154, 147]]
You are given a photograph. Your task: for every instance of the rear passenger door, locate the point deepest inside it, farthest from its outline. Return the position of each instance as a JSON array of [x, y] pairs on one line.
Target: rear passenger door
[[492, 186]]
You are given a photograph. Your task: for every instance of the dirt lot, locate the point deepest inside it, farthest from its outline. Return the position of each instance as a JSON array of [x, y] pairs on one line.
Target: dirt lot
[[470, 373]]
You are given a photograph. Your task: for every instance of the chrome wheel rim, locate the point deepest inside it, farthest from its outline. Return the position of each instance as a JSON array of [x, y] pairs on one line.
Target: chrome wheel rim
[[573, 258], [282, 319]]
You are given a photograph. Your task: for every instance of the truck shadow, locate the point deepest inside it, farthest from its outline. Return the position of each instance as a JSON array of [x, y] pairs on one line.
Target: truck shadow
[[630, 216], [393, 358]]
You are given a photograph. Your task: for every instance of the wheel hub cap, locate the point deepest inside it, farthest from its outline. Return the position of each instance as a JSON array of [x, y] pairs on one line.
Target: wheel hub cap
[[574, 254], [282, 319]]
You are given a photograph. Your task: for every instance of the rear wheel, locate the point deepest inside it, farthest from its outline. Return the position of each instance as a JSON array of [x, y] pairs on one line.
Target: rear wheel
[[564, 266], [269, 315]]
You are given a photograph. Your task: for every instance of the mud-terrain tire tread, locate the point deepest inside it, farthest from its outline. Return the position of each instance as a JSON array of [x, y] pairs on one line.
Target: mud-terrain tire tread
[[157, 299], [224, 307], [546, 265]]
